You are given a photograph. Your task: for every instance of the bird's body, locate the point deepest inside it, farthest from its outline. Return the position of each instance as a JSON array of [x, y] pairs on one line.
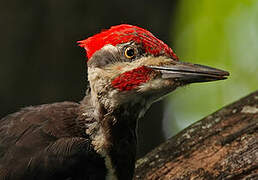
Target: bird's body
[[52, 141], [47, 142], [128, 70]]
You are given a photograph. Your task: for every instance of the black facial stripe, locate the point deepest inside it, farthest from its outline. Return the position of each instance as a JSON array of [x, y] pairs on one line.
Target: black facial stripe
[[110, 54], [103, 57]]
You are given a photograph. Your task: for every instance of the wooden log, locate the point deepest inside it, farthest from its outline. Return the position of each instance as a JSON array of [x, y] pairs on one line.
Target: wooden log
[[223, 145]]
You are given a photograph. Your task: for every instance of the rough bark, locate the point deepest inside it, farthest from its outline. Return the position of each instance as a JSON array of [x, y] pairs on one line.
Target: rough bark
[[223, 145]]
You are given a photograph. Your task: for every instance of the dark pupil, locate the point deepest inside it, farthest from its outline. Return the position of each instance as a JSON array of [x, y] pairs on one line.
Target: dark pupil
[[130, 52]]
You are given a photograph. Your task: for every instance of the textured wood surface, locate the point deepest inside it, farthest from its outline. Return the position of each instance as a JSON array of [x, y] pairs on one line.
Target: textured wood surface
[[223, 145]]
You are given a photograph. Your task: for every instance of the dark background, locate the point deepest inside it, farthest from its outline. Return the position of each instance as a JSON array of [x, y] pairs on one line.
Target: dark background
[[40, 61]]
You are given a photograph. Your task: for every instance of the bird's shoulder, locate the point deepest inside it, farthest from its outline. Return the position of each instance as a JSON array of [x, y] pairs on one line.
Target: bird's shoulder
[[44, 138], [57, 120]]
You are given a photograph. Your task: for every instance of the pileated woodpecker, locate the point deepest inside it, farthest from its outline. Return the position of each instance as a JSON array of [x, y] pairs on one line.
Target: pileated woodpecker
[[128, 70]]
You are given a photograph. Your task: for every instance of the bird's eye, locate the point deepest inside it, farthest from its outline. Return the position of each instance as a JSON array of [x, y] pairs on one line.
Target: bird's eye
[[129, 52]]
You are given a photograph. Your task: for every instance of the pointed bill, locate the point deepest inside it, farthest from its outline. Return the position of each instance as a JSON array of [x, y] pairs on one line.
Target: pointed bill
[[190, 73]]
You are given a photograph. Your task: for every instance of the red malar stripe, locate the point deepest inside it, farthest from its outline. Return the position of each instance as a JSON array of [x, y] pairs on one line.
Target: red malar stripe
[[132, 79]]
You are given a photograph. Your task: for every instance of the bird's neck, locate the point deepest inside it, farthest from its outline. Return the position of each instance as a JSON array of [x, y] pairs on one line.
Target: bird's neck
[[113, 134]]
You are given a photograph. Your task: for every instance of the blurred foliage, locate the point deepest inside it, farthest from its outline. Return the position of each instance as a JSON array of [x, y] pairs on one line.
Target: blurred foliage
[[221, 34]]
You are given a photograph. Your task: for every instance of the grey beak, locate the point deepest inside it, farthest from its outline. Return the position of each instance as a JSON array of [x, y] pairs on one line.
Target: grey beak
[[190, 73]]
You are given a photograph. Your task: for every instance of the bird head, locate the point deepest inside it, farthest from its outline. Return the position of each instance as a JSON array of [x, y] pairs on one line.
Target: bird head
[[127, 63]]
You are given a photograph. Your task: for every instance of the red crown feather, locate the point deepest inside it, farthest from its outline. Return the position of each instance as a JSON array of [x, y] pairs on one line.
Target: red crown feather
[[126, 33]]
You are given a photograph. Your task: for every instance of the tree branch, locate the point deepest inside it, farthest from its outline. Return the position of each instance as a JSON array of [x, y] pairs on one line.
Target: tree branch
[[223, 145]]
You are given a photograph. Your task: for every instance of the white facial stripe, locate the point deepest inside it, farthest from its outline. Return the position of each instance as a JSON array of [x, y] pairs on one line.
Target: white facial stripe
[[121, 67], [100, 80]]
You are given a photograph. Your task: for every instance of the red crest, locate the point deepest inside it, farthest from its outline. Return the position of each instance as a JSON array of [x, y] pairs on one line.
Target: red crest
[[126, 33]]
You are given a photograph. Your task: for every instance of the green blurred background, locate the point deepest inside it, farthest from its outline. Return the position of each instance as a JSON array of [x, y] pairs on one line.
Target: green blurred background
[[221, 34], [41, 63]]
